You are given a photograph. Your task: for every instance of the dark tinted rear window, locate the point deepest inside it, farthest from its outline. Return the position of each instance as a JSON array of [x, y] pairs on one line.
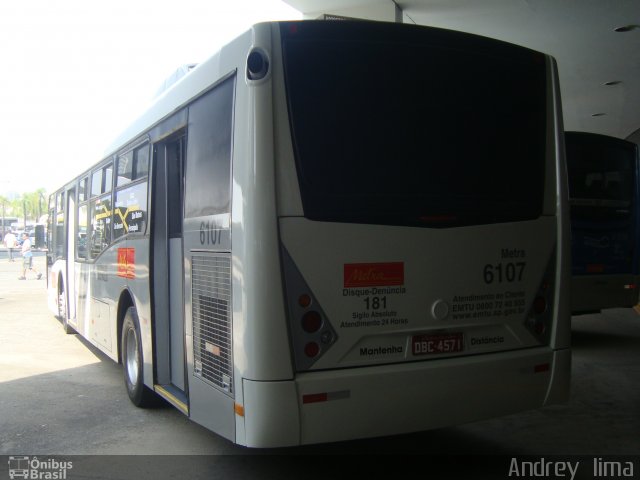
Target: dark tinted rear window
[[402, 125]]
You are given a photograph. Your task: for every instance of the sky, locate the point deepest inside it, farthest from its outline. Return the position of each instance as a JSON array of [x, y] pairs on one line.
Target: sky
[[74, 73]]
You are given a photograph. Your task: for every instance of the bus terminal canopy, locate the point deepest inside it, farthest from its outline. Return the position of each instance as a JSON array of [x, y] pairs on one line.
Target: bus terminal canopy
[[597, 47]]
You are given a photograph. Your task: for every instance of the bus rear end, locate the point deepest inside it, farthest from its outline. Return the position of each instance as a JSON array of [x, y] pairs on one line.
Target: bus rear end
[[423, 237], [603, 192]]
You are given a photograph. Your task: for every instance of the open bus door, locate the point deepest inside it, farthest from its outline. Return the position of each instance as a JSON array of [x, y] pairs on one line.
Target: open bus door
[[168, 271]]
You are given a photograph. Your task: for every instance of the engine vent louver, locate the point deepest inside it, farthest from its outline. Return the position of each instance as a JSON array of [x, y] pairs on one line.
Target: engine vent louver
[[211, 314]]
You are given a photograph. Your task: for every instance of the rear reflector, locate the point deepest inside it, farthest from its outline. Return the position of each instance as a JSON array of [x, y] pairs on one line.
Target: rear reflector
[[314, 398], [239, 409], [543, 367], [326, 396]]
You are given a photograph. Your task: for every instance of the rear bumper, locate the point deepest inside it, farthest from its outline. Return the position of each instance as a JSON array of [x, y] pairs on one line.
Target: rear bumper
[[393, 399], [591, 293]]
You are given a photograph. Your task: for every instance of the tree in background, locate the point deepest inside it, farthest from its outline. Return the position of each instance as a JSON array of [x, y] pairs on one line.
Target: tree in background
[[30, 206], [42, 202]]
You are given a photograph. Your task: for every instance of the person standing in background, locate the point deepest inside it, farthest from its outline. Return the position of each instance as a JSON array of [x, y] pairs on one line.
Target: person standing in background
[[10, 242], [27, 258]]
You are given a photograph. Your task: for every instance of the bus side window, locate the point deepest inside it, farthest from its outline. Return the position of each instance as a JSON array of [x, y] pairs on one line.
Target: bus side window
[[96, 183], [130, 212], [82, 230], [100, 215], [60, 228], [208, 170], [141, 164], [83, 189], [130, 209], [125, 169]]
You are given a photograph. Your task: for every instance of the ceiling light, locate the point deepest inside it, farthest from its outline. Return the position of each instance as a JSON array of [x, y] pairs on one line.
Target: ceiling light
[[626, 28]]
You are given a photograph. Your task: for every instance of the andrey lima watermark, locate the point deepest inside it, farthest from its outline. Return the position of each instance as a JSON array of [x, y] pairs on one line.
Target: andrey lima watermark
[[599, 468]]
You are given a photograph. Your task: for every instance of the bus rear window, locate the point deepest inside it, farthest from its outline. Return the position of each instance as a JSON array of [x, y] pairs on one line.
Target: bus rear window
[[428, 128]]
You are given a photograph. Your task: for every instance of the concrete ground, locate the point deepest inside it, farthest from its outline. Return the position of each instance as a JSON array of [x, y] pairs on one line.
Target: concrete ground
[[60, 396]]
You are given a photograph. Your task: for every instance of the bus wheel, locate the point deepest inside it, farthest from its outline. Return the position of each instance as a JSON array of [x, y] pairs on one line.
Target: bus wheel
[[132, 364], [62, 310]]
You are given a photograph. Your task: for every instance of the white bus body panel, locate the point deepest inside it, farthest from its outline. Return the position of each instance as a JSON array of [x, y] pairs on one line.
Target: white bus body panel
[[358, 400], [260, 339], [453, 284], [460, 391]]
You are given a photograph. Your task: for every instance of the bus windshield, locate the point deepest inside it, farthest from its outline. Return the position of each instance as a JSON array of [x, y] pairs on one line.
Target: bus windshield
[[439, 134]]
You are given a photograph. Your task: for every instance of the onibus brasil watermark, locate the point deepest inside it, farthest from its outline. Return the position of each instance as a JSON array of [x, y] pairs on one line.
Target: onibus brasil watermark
[[38, 469]]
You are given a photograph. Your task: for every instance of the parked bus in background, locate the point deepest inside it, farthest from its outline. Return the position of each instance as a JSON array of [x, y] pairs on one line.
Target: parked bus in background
[[604, 196], [330, 230], [6, 225]]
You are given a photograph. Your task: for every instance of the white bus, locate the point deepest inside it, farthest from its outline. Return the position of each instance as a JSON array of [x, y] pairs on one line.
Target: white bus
[[329, 231]]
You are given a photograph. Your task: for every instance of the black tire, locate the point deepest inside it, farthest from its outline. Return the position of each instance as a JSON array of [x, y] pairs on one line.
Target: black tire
[[62, 309], [132, 362]]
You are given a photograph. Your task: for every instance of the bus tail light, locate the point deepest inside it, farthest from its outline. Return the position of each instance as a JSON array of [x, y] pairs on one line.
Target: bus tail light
[[311, 349], [539, 305], [311, 332], [311, 321], [304, 300], [540, 316]]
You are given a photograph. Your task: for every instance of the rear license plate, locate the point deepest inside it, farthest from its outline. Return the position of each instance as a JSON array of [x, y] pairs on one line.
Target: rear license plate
[[436, 343]]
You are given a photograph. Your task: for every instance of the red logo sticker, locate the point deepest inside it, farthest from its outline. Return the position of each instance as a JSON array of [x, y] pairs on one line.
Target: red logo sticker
[[127, 262], [373, 274]]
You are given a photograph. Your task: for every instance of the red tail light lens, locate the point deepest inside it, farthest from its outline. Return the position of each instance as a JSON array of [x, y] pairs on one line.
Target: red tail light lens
[[539, 305], [311, 349], [312, 334], [540, 318], [311, 322]]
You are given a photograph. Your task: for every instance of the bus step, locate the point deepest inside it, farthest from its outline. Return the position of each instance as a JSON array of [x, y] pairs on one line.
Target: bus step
[[174, 396]]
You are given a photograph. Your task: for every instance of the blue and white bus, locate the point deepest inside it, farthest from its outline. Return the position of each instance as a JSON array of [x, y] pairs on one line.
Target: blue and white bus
[[328, 231], [605, 221]]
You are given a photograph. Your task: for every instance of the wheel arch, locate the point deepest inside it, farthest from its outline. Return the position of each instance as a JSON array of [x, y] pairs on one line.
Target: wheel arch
[[125, 301], [61, 281], [61, 288]]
